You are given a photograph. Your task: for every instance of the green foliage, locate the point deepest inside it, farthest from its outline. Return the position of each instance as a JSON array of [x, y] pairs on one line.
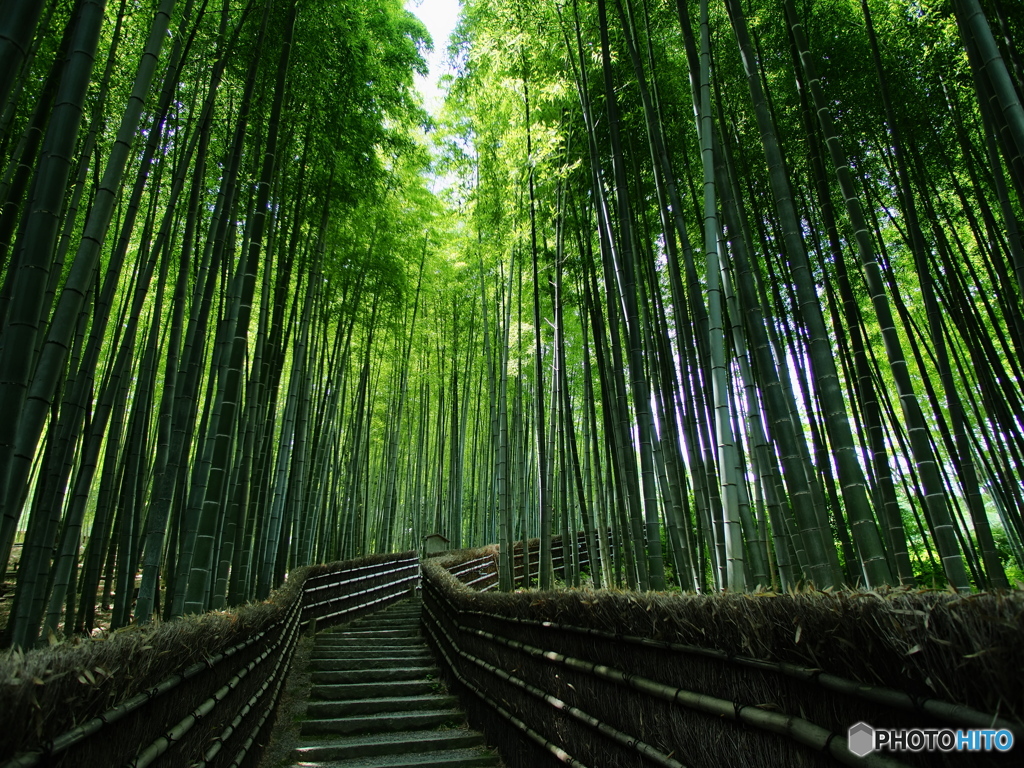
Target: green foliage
[[392, 352], [1014, 569]]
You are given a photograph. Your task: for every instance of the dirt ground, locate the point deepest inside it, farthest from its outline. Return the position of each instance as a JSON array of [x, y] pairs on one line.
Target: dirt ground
[[291, 709], [104, 611]]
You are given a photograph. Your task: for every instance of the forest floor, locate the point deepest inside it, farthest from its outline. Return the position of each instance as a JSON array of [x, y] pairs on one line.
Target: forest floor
[[104, 611]]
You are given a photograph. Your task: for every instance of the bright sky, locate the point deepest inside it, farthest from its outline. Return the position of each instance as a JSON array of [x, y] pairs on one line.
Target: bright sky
[[440, 17]]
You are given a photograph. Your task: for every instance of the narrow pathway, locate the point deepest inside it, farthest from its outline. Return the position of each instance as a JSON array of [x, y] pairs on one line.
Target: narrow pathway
[[375, 700]]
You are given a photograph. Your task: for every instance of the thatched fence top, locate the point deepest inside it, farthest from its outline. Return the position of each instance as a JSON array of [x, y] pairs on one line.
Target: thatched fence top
[[896, 658], [196, 690]]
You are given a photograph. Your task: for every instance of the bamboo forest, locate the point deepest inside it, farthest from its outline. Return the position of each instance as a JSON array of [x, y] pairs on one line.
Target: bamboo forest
[[731, 292]]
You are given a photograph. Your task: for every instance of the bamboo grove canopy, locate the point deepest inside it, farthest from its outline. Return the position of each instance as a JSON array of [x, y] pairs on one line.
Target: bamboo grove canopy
[[734, 288]]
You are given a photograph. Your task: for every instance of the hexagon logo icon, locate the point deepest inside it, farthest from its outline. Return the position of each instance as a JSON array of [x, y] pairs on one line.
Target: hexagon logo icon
[[861, 739]]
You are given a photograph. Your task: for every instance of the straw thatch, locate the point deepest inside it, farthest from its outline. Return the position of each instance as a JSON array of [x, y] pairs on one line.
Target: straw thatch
[[930, 645], [46, 692]]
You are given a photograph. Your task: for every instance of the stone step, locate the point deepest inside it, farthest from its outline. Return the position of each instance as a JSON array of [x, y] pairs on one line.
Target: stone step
[[349, 747], [407, 609], [394, 622], [337, 638], [349, 691], [389, 615], [384, 722], [371, 633], [401, 646], [383, 620], [412, 634], [372, 642], [375, 701], [404, 630], [372, 630], [395, 609], [322, 710], [402, 643], [372, 662], [455, 758], [415, 651], [346, 676], [411, 656]]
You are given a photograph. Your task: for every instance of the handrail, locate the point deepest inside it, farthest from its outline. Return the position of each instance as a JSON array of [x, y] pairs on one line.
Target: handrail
[[958, 714], [533, 735], [625, 739], [514, 664], [312, 603]]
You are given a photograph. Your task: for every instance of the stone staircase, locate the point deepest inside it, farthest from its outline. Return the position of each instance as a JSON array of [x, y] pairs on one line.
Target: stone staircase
[[375, 701]]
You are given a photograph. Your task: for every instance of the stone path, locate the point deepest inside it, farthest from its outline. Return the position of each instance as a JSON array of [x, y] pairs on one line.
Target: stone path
[[375, 701]]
